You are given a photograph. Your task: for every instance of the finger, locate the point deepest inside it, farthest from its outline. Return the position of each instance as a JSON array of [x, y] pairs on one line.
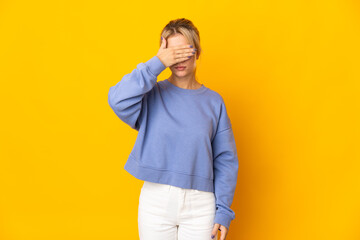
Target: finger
[[181, 59], [185, 51], [163, 43], [182, 46], [184, 55], [222, 237], [215, 230], [223, 232]]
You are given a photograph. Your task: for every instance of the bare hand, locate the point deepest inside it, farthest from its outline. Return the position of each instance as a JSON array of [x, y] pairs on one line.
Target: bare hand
[[172, 55], [223, 230]]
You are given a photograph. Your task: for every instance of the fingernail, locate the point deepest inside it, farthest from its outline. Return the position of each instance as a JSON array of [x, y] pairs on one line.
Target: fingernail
[[191, 46], [212, 236], [161, 37]]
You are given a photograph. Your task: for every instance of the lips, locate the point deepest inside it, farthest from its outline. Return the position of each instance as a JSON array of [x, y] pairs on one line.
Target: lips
[[180, 67]]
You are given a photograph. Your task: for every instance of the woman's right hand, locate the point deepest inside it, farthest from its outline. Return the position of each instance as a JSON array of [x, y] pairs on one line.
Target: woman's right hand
[[172, 55]]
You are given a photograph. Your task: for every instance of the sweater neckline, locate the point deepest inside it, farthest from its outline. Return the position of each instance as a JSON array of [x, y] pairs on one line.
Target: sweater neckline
[[184, 90]]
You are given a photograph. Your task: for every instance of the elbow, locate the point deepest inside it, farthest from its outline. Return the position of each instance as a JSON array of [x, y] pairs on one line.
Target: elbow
[[110, 101], [114, 103], [113, 96]]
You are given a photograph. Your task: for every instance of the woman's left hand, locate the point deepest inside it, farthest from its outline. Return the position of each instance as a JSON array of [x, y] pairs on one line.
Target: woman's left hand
[[222, 229]]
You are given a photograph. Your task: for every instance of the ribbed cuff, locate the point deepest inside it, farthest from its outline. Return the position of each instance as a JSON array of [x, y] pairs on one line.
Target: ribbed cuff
[[155, 65], [222, 219]]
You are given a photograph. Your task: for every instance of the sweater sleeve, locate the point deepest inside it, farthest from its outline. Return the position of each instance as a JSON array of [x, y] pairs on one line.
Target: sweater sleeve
[[125, 98], [225, 169]]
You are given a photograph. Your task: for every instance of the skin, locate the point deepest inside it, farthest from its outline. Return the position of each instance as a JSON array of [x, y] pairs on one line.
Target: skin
[[180, 78], [174, 52]]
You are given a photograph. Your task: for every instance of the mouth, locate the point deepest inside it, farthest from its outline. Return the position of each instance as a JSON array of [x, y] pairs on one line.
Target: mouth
[[180, 68]]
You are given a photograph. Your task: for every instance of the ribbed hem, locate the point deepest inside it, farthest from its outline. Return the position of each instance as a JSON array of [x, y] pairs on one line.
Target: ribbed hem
[[223, 219], [155, 65], [168, 177]]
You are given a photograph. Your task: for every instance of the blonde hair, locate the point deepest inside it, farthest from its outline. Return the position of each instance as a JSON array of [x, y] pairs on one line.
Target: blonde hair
[[186, 28]]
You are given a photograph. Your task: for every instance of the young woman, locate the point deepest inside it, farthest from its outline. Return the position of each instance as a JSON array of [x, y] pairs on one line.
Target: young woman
[[185, 150]]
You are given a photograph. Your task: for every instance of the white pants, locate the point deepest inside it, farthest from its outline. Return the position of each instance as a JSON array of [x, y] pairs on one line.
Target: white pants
[[167, 212]]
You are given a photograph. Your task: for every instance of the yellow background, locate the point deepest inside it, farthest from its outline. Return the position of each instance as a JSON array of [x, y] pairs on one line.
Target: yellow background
[[288, 71]]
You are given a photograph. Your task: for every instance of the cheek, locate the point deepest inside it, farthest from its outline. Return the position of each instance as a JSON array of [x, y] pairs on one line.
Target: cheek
[[191, 62]]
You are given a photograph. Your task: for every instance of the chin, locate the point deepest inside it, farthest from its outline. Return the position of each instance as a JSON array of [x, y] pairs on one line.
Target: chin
[[182, 74]]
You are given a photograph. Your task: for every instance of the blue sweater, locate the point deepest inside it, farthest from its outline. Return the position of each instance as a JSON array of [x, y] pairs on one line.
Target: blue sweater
[[185, 137]]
